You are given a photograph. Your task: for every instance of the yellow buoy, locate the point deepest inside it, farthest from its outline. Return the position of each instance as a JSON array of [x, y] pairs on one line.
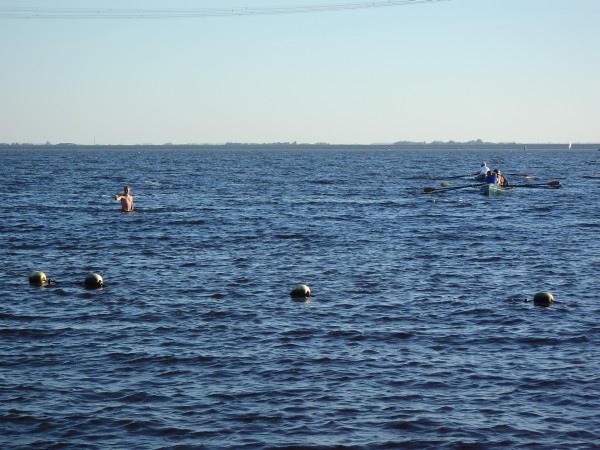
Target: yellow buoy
[[444, 184], [93, 281], [300, 291], [543, 298], [37, 278]]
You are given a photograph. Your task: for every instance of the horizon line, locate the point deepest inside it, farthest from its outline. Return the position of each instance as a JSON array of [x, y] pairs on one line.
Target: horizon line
[[293, 144]]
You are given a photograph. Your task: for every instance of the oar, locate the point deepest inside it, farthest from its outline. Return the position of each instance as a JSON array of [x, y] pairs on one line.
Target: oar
[[456, 177], [551, 184], [431, 190]]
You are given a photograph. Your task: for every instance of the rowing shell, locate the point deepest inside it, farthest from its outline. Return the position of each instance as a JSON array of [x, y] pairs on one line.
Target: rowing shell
[[493, 189]]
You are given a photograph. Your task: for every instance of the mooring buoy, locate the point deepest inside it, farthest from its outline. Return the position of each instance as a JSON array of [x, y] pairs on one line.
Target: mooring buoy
[[300, 291], [543, 298], [37, 278], [93, 281]]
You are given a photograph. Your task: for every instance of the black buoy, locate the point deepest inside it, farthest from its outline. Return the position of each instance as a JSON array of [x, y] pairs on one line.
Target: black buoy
[[37, 278], [93, 281], [300, 291], [543, 299]]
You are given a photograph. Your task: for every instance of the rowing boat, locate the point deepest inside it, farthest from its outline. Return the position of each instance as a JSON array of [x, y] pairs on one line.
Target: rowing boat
[[493, 189]]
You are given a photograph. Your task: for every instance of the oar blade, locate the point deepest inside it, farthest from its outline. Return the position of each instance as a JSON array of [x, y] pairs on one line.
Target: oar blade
[[549, 185]]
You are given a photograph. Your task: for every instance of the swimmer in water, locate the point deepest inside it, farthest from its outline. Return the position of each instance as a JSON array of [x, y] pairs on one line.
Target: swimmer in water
[[126, 199]]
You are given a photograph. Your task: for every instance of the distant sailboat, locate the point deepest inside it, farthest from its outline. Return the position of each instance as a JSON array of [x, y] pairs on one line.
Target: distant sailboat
[[570, 145]]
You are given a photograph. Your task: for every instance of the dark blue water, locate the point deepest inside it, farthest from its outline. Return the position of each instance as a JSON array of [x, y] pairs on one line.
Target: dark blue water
[[419, 334]]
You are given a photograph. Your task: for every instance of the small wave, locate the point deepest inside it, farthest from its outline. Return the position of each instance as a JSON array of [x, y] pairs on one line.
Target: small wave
[[251, 418], [540, 341], [187, 222], [8, 316], [299, 333], [324, 182], [61, 292], [577, 339], [247, 237], [35, 333], [400, 335], [589, 225], [212, 315], [414, 425], [352, 334], [141, 397], [160, 361]]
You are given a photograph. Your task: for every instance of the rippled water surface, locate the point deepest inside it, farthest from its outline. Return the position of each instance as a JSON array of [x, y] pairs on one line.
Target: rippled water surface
[[420, 333]]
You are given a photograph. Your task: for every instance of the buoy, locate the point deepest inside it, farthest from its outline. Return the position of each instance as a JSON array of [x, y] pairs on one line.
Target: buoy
[[444, 184], [93, 281], [300, 291], [543, 298], [37, 278]]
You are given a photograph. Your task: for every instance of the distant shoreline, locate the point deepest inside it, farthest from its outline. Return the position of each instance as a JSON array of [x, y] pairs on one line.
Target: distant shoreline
[[288, 145]]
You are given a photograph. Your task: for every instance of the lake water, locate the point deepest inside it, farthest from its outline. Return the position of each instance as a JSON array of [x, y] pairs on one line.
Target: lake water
[[421, 332]]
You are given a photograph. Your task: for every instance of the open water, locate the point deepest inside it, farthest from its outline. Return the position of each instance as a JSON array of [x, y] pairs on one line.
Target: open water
[[420, 333]]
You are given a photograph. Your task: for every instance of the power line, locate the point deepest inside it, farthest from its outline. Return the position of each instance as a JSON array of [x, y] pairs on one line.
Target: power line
[[8, 12]]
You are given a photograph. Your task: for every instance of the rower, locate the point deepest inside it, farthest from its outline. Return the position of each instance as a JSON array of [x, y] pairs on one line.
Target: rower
[[491, 178], [501, 180]]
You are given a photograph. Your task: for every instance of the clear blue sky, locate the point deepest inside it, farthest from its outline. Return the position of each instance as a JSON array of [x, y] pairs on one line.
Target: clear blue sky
[[499, 70]]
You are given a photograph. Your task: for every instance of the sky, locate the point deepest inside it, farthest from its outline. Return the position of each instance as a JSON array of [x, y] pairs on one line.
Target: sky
[[525, 71]]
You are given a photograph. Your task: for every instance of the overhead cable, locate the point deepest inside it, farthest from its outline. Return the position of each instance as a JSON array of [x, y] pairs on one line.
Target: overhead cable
[[16, 12]]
